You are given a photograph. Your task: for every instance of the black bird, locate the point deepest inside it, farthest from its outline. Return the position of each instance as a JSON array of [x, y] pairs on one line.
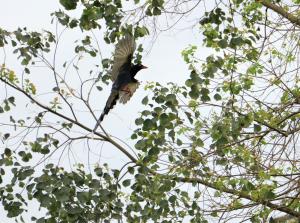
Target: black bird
[[122, 73]]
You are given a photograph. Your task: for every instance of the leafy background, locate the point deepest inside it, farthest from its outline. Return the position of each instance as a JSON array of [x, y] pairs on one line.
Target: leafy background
[[216, 136]]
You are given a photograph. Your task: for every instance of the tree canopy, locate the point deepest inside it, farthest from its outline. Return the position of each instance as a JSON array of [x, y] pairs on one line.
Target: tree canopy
[[222, 146]]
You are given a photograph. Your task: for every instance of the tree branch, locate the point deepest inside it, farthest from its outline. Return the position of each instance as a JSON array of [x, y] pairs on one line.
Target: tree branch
[[281, 11], [104, 137], [240, 194]]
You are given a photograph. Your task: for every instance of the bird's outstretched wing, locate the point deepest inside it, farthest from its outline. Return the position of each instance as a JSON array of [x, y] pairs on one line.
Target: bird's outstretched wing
[[121, 65], [123, 55]]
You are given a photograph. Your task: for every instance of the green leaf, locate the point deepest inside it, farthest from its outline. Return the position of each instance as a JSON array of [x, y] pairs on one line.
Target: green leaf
[[217, 97], [194, 93], [214, 214], [126, 183], [248, 186], [11, 100], [156, 11], [69, 4], [257, 128], [130, 169], [14, 209], [73, 23], [62, 194], [41, 220], [223, 43], [266, 194], [83, 196], [172, 199], [36, 147], [25, 174], [6, 136], [235, 42], [141, 31], [139, 121], [134, 136], [93, 53], [145, 100], [148, 124], [7, 152], [153, 151], [6, 107], [74, 210], [140, 145], [95, 184]]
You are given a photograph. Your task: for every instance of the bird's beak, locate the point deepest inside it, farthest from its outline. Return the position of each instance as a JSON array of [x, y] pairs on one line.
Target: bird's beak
[[144, 67]]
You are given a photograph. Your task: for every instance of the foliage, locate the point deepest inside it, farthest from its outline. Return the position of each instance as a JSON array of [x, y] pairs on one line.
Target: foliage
[[223, 145]]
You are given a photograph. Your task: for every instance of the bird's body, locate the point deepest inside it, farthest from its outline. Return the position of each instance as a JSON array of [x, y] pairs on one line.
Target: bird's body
[[123, 74], [125, 77]]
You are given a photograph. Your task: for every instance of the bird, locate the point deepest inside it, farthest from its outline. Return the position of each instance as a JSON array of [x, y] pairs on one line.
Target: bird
[[123, 75]]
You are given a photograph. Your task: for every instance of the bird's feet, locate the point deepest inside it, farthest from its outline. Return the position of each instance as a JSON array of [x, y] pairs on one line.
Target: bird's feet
[[127, 90]]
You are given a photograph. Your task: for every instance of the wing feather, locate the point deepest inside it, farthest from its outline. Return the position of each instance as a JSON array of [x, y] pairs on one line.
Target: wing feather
[[123, 55]]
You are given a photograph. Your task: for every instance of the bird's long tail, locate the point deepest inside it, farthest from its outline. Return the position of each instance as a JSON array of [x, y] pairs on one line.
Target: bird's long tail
[[110, 103]]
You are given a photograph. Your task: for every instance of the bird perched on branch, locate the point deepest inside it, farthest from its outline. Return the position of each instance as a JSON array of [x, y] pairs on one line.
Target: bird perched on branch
[[122, 74]]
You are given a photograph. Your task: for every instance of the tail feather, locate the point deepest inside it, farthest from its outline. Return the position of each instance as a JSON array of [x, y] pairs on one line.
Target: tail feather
[[110, 103]]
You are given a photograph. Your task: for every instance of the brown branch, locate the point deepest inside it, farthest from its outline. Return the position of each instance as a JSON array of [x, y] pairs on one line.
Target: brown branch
[[240, 194], [281, 11], [284, 218]]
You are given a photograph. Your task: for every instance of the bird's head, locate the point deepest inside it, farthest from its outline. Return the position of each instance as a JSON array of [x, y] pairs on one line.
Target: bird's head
[[137, 67], [140, 66]]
